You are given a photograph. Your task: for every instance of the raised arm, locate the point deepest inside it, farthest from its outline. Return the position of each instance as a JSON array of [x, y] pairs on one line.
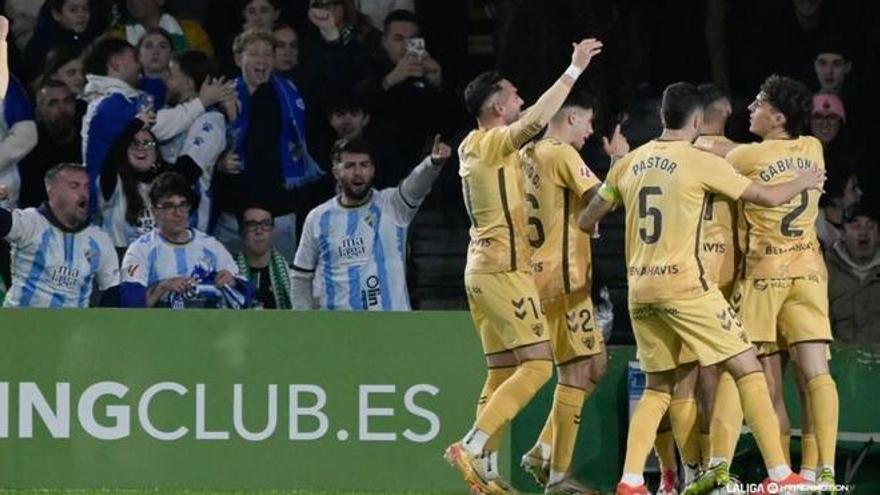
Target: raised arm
[[778, 194], [538, 115], [418, 183], [4, 61]]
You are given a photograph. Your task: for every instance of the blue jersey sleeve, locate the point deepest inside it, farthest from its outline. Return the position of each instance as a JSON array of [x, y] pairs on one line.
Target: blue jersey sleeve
[[132, 295], [16, 106]]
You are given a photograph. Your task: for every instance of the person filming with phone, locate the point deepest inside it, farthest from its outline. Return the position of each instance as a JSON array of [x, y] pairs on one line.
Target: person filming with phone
[[405, 85]]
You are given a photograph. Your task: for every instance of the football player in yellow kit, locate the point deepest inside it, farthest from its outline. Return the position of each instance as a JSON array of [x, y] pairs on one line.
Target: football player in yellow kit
[[781, 294], [504, 303], [558, 185], [690, 410], [663, 186]]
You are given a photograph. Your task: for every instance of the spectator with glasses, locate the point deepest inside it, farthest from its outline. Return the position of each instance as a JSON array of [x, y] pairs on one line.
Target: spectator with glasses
[[176, 266], [124, 183], [262, 265]]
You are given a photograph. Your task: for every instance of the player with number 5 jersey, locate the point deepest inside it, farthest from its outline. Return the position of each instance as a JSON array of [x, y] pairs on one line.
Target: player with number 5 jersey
[[663, 186]]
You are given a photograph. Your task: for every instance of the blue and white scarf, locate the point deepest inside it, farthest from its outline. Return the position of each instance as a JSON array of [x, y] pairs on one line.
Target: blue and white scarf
[[298, 168]]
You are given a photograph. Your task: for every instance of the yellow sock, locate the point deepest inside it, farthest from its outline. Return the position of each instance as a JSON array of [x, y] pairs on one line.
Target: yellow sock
[[494, 378], [809, 452], [727, 418], [761, 418], [643, 428], [664, 446], [824, 406], [683, 416], [566, 419], [705, 448], [513, 395], [786, 447]]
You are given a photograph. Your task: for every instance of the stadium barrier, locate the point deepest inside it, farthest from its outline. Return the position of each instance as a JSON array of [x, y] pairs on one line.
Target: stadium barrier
[[270, 400]]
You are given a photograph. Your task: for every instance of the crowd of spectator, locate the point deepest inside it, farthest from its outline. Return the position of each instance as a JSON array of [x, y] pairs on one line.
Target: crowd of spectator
[[243, 128]]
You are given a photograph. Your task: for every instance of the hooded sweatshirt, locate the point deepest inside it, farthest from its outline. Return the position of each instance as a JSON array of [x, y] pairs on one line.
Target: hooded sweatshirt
[[853, 294], [113, 104]]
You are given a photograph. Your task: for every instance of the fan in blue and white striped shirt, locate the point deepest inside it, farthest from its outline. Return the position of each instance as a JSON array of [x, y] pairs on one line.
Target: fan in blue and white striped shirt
[[352, 252], [56, 253]]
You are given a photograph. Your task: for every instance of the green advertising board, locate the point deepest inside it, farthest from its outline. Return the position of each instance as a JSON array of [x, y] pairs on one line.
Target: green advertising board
[[293, 401], [221, 400]]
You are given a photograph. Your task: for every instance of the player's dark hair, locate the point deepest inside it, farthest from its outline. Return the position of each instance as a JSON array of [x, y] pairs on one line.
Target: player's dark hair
[[711, 93], [356, 145], [100, 53], [580, 99], [793, 99], [480, 89], [53, 172], [680, 101], [171, 184]]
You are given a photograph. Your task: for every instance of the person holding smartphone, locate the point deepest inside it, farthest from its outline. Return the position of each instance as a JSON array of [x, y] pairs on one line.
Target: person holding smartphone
[[405, 83]]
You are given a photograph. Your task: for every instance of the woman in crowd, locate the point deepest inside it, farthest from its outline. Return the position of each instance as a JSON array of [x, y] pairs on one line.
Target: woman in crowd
[[287, 52], [66, 23], [154, 54], [125, 184], [65, 63]]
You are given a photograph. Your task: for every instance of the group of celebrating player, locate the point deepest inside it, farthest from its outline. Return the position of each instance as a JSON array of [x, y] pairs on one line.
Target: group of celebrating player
[[721, 317]]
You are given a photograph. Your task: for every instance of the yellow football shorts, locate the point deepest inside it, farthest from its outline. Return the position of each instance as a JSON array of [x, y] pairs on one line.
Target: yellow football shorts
[[781, 345], [506, 310], [725, 282], [797, 308], [706, 324], [573, 331]]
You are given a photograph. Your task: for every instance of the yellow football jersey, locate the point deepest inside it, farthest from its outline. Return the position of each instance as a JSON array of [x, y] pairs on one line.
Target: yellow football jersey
[[781, 242], [491, 180], [556, 179], [719, 247], [663, 186]]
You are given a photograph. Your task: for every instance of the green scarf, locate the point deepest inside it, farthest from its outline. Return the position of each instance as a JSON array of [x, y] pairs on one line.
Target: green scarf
[[279, 277]]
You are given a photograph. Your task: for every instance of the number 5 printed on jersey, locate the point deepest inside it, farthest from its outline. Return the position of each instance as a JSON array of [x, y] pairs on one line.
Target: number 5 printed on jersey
[[646, 211]]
